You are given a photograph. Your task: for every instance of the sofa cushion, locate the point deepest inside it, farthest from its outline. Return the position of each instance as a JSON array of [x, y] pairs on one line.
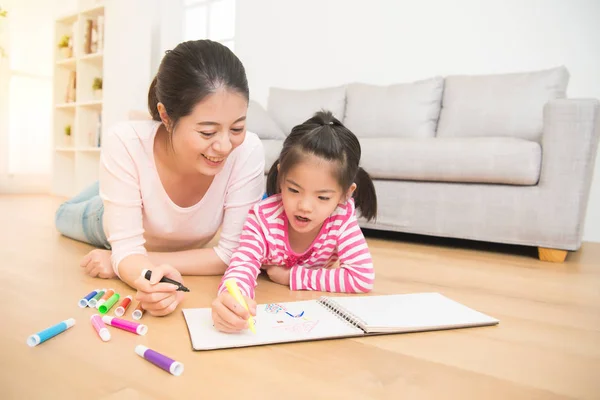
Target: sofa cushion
[[272, 150], [401, 110], [499, 105], [292, 107], [259, 122], [477, 160]]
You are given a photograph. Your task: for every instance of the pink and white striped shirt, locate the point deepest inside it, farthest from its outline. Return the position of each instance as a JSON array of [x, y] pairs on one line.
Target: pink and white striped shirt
[[264, 241]]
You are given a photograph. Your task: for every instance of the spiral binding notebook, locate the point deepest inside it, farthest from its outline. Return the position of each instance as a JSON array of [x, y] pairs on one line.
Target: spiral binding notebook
[[332, 317]]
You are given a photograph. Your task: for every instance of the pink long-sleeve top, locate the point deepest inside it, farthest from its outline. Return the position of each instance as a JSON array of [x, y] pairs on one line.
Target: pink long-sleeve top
[[139, 216], [264, 241]]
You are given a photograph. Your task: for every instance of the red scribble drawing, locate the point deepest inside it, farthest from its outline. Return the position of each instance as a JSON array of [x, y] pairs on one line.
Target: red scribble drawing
[[298, 327]]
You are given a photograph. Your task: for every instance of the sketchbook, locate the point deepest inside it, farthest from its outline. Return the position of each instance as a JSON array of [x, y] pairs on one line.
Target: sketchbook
[[331, 317]]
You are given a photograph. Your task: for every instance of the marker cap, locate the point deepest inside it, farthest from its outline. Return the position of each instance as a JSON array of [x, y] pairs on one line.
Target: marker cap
[[104, 334], [141, 329]]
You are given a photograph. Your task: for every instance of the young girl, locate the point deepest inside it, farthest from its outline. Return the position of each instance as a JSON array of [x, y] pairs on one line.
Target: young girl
[[307, 224]]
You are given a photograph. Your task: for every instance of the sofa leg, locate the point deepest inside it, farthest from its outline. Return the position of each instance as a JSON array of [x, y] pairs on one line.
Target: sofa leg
[[552, 255]]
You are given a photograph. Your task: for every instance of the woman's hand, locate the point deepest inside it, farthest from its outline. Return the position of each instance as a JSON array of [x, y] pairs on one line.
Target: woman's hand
[[230, 316], [97, 264], [159, 298], [279, 274]]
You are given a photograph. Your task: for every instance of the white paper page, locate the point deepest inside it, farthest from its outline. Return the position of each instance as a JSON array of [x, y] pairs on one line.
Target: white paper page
[[411, 312], [275, 323]]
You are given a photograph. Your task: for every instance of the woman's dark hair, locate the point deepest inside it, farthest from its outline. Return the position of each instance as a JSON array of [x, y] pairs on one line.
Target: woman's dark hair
[[326, 137], [192, 71]]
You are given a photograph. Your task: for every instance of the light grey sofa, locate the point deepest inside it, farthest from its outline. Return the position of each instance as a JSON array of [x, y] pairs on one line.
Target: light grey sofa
[[497, 158]]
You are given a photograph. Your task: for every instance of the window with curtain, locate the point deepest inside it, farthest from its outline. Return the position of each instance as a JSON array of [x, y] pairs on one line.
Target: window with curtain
[[27, 73], [210, 19]]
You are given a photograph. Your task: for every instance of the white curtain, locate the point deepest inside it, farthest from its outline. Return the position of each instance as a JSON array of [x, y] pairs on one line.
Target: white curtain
[[27, 36], [30, 99], [209, 19]]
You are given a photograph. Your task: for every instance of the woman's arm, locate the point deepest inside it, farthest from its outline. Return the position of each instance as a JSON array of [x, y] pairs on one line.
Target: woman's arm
[[122, 199], [123, 223], [191, 262], [131, 267], [156, 297]]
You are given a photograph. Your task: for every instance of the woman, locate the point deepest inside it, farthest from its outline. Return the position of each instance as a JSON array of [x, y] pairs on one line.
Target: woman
[[168, 185]]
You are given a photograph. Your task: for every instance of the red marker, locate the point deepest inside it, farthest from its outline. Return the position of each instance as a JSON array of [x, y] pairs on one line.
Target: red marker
[[120, 311]]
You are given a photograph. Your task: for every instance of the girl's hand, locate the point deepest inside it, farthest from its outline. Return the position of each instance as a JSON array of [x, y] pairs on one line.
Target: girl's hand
[[159, 298], [230, 316], [97, 264], [279, 274]]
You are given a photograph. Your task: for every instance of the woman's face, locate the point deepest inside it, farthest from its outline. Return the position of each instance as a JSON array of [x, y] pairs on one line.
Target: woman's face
[[217, 125]]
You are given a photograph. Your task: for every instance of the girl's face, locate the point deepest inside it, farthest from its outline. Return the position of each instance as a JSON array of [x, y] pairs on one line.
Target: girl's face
[[310, 194], [217, 125]]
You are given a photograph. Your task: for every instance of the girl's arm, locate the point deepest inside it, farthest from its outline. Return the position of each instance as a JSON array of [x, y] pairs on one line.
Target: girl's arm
[[355, 274], [246, 261]]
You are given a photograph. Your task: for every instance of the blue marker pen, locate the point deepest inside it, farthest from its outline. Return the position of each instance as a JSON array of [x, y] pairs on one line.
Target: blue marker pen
[[49, 333], [84, 302]]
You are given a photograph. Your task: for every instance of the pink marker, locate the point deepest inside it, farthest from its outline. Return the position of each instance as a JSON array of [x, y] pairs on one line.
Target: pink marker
[[99, 326], [130, 326]]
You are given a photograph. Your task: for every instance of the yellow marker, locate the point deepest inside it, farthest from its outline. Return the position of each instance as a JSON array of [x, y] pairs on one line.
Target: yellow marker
[[234, 290]]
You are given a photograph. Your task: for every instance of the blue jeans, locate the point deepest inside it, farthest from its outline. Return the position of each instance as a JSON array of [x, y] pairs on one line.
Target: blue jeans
[[80, 218]]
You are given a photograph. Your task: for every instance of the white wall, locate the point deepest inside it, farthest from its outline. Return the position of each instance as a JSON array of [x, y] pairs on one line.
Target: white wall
[[168, 29], [319, 43], [137, 34], [127, 57]]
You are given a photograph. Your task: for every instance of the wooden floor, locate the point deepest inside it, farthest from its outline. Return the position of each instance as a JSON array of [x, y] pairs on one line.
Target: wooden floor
[[547, 345]]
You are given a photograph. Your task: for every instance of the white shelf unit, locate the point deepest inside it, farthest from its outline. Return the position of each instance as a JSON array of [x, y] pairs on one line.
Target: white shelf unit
[[76, 157]]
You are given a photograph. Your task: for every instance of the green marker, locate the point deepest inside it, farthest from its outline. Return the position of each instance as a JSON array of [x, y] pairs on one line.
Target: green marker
[[94, 300], [109, 303]]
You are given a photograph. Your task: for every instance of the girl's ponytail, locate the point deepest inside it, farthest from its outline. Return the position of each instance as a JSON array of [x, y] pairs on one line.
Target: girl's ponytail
[[272, 176], [364, 196]]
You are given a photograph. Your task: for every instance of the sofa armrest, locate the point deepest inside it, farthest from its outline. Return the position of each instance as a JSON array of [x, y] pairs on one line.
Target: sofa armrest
[[569, 141], [569, 146]]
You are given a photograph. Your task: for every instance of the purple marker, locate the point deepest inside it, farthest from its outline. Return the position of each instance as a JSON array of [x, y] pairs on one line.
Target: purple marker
[[164, 362]]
